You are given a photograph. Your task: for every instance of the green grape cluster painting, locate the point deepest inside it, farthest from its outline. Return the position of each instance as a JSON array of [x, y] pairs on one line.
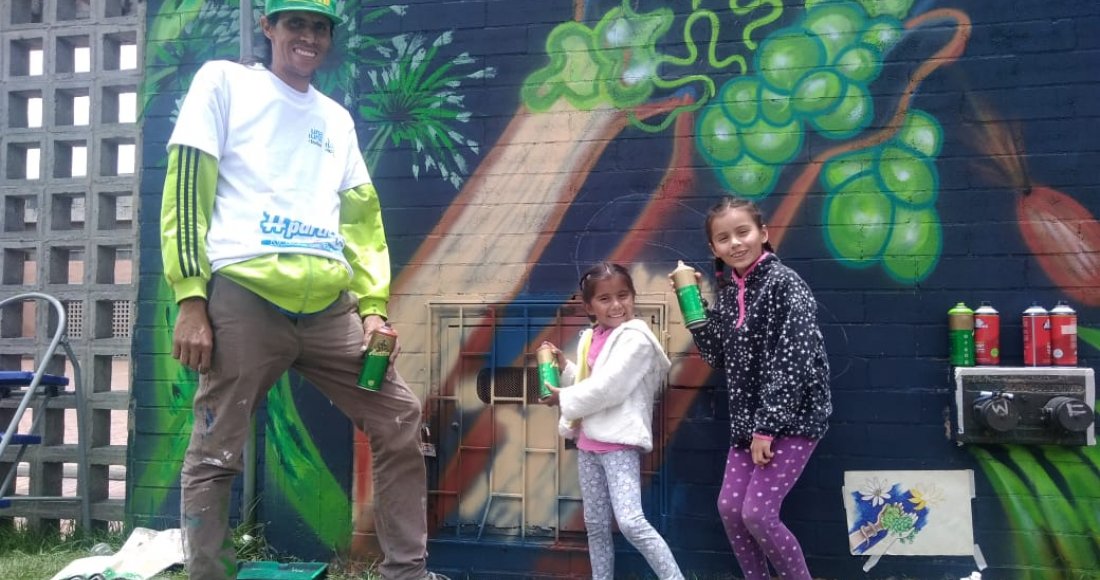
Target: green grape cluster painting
[[814, 73], [755, 110], [880, 204]]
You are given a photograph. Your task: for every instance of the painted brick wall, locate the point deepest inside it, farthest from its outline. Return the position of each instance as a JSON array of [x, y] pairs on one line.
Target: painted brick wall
[[545, 154]]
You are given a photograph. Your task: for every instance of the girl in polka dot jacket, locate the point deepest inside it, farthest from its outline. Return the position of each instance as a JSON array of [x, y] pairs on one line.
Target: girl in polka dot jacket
[[764, 335]]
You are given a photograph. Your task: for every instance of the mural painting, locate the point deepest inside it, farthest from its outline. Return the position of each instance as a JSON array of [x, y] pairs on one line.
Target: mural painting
[[508, 157], [898, 513]]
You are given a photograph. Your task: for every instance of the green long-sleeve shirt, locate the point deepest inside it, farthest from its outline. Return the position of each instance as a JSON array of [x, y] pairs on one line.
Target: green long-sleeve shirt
[[297, 283]]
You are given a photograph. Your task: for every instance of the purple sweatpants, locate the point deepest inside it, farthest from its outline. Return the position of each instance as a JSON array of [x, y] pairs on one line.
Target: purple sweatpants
[[749, 504]]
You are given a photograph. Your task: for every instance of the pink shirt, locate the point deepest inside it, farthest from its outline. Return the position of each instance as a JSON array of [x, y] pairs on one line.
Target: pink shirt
[[599, 338]]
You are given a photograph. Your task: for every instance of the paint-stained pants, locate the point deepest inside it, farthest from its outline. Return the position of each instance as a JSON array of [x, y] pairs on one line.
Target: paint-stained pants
[[254, 344], [611, 484], [749, 503]]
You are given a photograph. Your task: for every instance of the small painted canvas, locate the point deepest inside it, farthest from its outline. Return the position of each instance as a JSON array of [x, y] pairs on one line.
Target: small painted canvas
[[909, 513]]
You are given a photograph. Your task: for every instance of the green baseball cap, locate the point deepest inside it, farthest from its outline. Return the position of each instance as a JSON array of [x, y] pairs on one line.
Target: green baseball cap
[[326, 7]]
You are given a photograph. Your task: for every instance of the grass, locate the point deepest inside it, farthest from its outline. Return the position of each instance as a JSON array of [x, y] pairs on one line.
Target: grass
[[31, 555]]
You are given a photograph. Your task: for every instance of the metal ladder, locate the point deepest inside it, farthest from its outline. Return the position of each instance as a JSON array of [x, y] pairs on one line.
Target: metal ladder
[[40, 388]]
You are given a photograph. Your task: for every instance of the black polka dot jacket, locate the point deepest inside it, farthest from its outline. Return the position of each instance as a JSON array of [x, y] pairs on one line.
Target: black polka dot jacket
[[764, 334]]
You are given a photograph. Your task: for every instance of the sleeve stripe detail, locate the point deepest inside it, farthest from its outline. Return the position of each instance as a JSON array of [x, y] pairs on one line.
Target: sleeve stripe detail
[[187, 211], [193, 210]]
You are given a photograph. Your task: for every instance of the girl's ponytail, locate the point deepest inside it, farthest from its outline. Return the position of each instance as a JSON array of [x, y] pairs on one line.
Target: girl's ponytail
[[720, 273]]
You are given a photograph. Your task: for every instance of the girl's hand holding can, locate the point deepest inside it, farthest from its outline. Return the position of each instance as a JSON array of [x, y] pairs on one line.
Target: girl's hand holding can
[[550, 400], [558, 354], [374, 322]]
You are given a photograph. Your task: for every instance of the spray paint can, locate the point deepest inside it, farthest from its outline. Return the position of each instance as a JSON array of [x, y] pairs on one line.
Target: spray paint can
[[688, 295], [960, 325], [549, 372], [380, 347], [1036, 336], [987, 335], [1063, 335]]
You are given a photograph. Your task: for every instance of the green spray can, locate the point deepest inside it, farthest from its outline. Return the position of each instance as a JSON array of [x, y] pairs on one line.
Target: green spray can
[[376, 360], [548, 370], [960, 325], [688, 295]]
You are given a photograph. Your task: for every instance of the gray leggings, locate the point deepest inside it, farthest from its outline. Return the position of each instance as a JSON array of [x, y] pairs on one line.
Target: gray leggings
[[612, 482]]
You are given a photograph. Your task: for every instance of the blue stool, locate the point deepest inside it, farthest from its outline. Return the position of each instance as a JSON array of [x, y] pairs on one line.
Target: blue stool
[[12, 379]]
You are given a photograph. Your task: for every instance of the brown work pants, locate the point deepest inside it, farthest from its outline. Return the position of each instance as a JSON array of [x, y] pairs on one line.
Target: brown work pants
[[254, 344]]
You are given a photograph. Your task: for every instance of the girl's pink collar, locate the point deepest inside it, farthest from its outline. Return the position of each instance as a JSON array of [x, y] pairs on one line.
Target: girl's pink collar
[[600, 330], [733, 273]]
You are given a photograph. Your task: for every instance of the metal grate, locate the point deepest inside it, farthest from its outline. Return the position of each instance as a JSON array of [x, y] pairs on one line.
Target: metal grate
[[508, 383], [74, 319], [500, 469], [121, 319]]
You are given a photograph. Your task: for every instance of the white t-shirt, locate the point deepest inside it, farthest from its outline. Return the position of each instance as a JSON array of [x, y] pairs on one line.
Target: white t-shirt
[[283, 158]]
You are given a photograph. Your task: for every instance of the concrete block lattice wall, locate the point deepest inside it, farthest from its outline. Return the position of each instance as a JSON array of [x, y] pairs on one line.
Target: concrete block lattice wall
[[68, 164]]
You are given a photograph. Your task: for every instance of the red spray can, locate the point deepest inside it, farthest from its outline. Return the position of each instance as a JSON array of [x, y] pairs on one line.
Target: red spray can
[[1036, 336], [1063, 335], [987, 335]]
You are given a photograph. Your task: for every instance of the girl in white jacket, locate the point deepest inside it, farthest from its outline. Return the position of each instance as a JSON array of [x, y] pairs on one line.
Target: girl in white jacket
[[608, 408]]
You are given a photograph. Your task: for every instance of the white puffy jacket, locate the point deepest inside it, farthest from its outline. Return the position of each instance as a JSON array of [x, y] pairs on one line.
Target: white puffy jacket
[[615, 403]]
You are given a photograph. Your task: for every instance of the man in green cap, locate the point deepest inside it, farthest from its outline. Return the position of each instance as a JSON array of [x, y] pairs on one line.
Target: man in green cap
[[273, 244]]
